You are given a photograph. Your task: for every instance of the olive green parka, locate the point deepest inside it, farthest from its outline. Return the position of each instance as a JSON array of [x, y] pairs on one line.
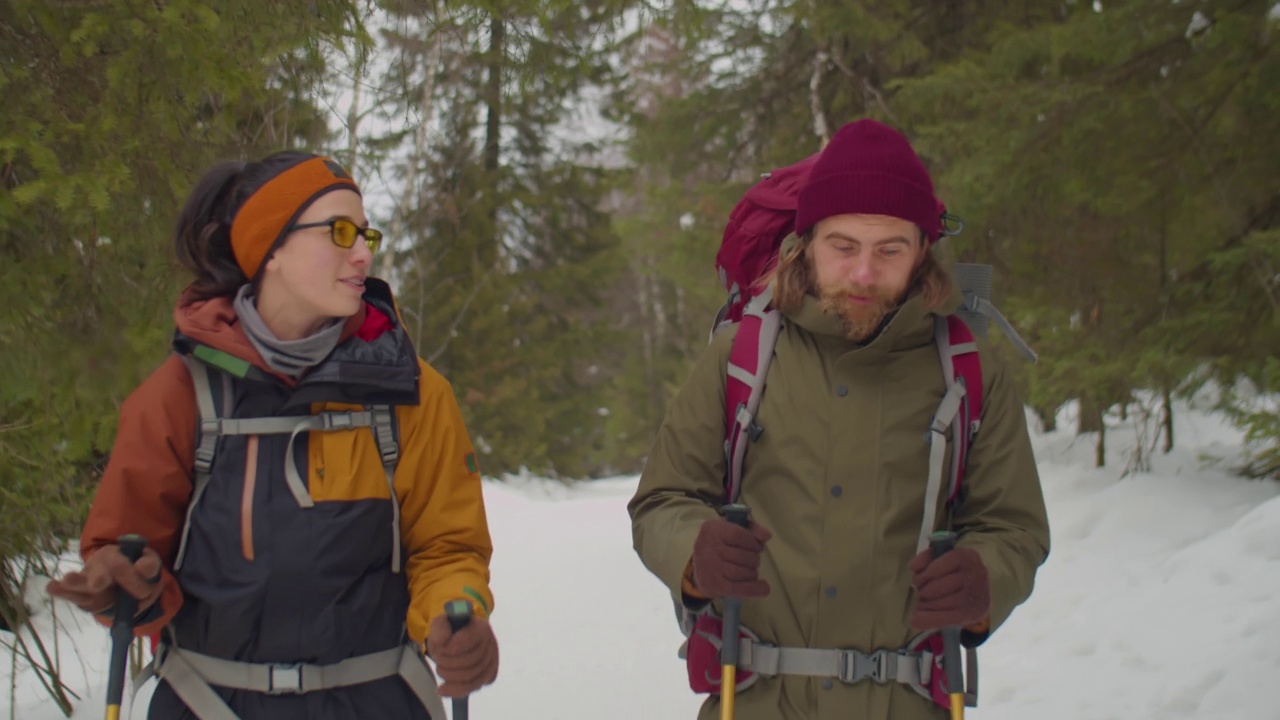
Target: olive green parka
[[838, 475]]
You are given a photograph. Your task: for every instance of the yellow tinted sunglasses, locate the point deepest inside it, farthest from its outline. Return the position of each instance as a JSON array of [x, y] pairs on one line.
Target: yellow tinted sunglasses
[[343, 232]]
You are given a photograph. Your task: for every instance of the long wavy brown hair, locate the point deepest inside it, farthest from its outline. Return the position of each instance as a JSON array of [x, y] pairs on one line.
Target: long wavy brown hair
[[793, 278]]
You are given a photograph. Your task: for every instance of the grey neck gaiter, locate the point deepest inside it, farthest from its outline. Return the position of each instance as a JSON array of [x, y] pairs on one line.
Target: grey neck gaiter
[[287, 357]]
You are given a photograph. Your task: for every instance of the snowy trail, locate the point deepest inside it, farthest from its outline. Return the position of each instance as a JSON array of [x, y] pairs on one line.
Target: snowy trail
[[1160, 600]]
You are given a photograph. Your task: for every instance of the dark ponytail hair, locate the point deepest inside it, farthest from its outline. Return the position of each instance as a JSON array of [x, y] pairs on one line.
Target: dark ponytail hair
[[202, 236]]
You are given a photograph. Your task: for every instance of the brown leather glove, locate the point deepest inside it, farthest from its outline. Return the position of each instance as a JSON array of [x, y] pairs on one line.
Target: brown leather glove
[[466, 660], [951, 591], [726, 560], [93, 588]]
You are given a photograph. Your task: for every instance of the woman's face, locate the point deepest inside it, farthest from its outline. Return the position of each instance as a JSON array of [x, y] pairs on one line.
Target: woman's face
[[309, 279]]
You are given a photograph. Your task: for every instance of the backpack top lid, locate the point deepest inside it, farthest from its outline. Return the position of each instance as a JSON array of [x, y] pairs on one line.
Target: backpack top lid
[[759, 223]]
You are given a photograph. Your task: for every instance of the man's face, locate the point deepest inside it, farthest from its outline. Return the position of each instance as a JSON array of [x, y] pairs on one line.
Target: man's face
[[863, 265]]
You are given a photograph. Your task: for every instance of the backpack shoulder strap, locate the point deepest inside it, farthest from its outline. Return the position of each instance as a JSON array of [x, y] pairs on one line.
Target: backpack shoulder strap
[[967, 368], [960, 409], [386, 432], [744, 384], [207, 433]]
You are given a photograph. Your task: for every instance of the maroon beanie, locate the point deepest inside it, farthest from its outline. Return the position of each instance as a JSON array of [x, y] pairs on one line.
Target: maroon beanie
[[869, 168]]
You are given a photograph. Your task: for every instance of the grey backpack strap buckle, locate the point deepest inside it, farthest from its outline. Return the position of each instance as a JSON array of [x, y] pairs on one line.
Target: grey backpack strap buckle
[[284, 679], [857, 666], [884, 666]]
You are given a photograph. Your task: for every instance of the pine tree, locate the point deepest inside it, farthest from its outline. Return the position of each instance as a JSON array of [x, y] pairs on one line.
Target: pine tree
[[502, 254], [1102, 154], [112, 110]]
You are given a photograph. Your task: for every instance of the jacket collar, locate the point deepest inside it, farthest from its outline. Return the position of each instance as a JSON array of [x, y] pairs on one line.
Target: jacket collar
[[909, 326], [382, 370]]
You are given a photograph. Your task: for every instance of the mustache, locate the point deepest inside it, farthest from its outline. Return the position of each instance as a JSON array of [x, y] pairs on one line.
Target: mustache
[[867, 291]]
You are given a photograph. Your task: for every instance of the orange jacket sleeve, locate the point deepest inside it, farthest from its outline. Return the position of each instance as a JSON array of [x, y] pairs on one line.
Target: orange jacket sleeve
[[442, 516], [147, 483]]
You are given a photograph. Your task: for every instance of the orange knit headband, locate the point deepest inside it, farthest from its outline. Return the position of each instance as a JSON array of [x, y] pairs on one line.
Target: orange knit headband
[[266, 216]]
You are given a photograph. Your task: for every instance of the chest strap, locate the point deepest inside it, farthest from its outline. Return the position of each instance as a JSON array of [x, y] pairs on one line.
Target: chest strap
[[192, 676]]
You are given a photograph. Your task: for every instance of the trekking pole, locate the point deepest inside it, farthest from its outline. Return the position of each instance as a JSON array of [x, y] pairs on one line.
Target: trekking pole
[[737, 514], [941, 543], [458, 613], [131, 546]]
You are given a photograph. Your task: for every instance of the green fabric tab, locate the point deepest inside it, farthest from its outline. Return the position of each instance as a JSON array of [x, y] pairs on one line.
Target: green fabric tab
[[222, 360], [475, 595], [473, 467]]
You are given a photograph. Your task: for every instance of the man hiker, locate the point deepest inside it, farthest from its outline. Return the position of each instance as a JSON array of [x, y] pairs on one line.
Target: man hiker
[[838, 584]]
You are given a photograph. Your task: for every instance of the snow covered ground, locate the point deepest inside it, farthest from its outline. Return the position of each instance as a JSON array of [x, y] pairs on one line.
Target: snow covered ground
[[1161, 599]]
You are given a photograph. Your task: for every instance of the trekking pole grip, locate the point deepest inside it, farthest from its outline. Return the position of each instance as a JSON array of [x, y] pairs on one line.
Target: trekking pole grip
[[131, 546], [941, 543], [126, 607], [458, 613], [739, 515]]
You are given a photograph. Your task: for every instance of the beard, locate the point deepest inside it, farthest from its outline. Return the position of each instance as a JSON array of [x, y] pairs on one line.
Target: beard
[[860, 320]]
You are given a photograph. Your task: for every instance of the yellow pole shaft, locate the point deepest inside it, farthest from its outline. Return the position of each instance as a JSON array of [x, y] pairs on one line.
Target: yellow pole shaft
[[113, 712], [728, 683], [957, 706]]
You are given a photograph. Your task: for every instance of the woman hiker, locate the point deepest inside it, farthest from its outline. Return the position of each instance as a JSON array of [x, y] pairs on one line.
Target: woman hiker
[[306, 487]]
